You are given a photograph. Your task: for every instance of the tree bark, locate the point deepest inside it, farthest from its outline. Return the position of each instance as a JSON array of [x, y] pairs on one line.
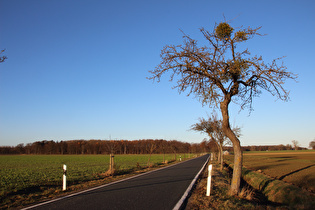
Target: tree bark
[[221, 157], [237, 170], [219, 150]]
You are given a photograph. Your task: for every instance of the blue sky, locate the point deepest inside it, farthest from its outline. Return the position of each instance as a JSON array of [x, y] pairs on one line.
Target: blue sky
[[77, 69]]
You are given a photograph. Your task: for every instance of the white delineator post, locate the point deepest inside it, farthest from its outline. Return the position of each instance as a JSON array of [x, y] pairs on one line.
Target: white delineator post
[[64, 178], [209, 180]]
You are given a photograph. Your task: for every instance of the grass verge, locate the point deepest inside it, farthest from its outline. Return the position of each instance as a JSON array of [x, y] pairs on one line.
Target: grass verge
[[279, 191], [249, 198]]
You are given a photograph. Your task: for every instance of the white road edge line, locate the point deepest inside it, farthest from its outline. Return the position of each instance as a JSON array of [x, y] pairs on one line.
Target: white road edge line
[[94, 188], [181, 201]]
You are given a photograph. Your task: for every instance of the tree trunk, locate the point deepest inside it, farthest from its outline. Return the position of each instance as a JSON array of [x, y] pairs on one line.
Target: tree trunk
[[112, 164], [219, 150], [221, 156], [149, 160], [237, 170]]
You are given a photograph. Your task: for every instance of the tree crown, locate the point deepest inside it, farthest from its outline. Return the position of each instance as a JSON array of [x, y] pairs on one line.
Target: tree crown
[[217, 71], [213, 127]]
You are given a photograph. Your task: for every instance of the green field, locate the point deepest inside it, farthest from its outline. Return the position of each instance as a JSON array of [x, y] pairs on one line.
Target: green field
[[22, 175]]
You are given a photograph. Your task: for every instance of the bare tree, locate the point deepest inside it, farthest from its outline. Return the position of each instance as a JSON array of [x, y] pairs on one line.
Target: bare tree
[[295, 144], [312, 144], [162, 147], [216, 73], [209, 127], [150, 147], [213, 127]]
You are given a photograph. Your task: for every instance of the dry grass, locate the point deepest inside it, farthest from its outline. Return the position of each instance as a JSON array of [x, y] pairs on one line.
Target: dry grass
[[220, 199], [248, 194]]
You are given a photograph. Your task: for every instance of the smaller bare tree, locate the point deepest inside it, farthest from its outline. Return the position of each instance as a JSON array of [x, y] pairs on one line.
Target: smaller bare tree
[[213, 127], [295, 144], [111, 148], [150, 147]]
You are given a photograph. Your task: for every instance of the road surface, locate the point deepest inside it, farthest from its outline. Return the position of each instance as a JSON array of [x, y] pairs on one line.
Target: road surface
[[160, 189]]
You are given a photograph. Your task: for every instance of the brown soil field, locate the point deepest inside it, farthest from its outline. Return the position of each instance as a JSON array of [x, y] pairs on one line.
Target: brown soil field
[[297, 168]]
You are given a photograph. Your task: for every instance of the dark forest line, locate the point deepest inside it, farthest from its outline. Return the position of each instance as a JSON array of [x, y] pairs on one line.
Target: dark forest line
[[145, 146]]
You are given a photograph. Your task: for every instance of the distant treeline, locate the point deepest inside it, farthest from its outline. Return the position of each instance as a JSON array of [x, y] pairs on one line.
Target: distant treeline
[[266, 148], [147, 146], [271, 148]]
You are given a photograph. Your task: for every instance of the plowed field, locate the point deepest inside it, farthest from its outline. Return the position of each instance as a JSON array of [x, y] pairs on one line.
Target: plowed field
[[297, 168]]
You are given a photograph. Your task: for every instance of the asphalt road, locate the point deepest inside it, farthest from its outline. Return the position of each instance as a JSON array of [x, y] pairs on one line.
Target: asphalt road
[[160, 189]]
